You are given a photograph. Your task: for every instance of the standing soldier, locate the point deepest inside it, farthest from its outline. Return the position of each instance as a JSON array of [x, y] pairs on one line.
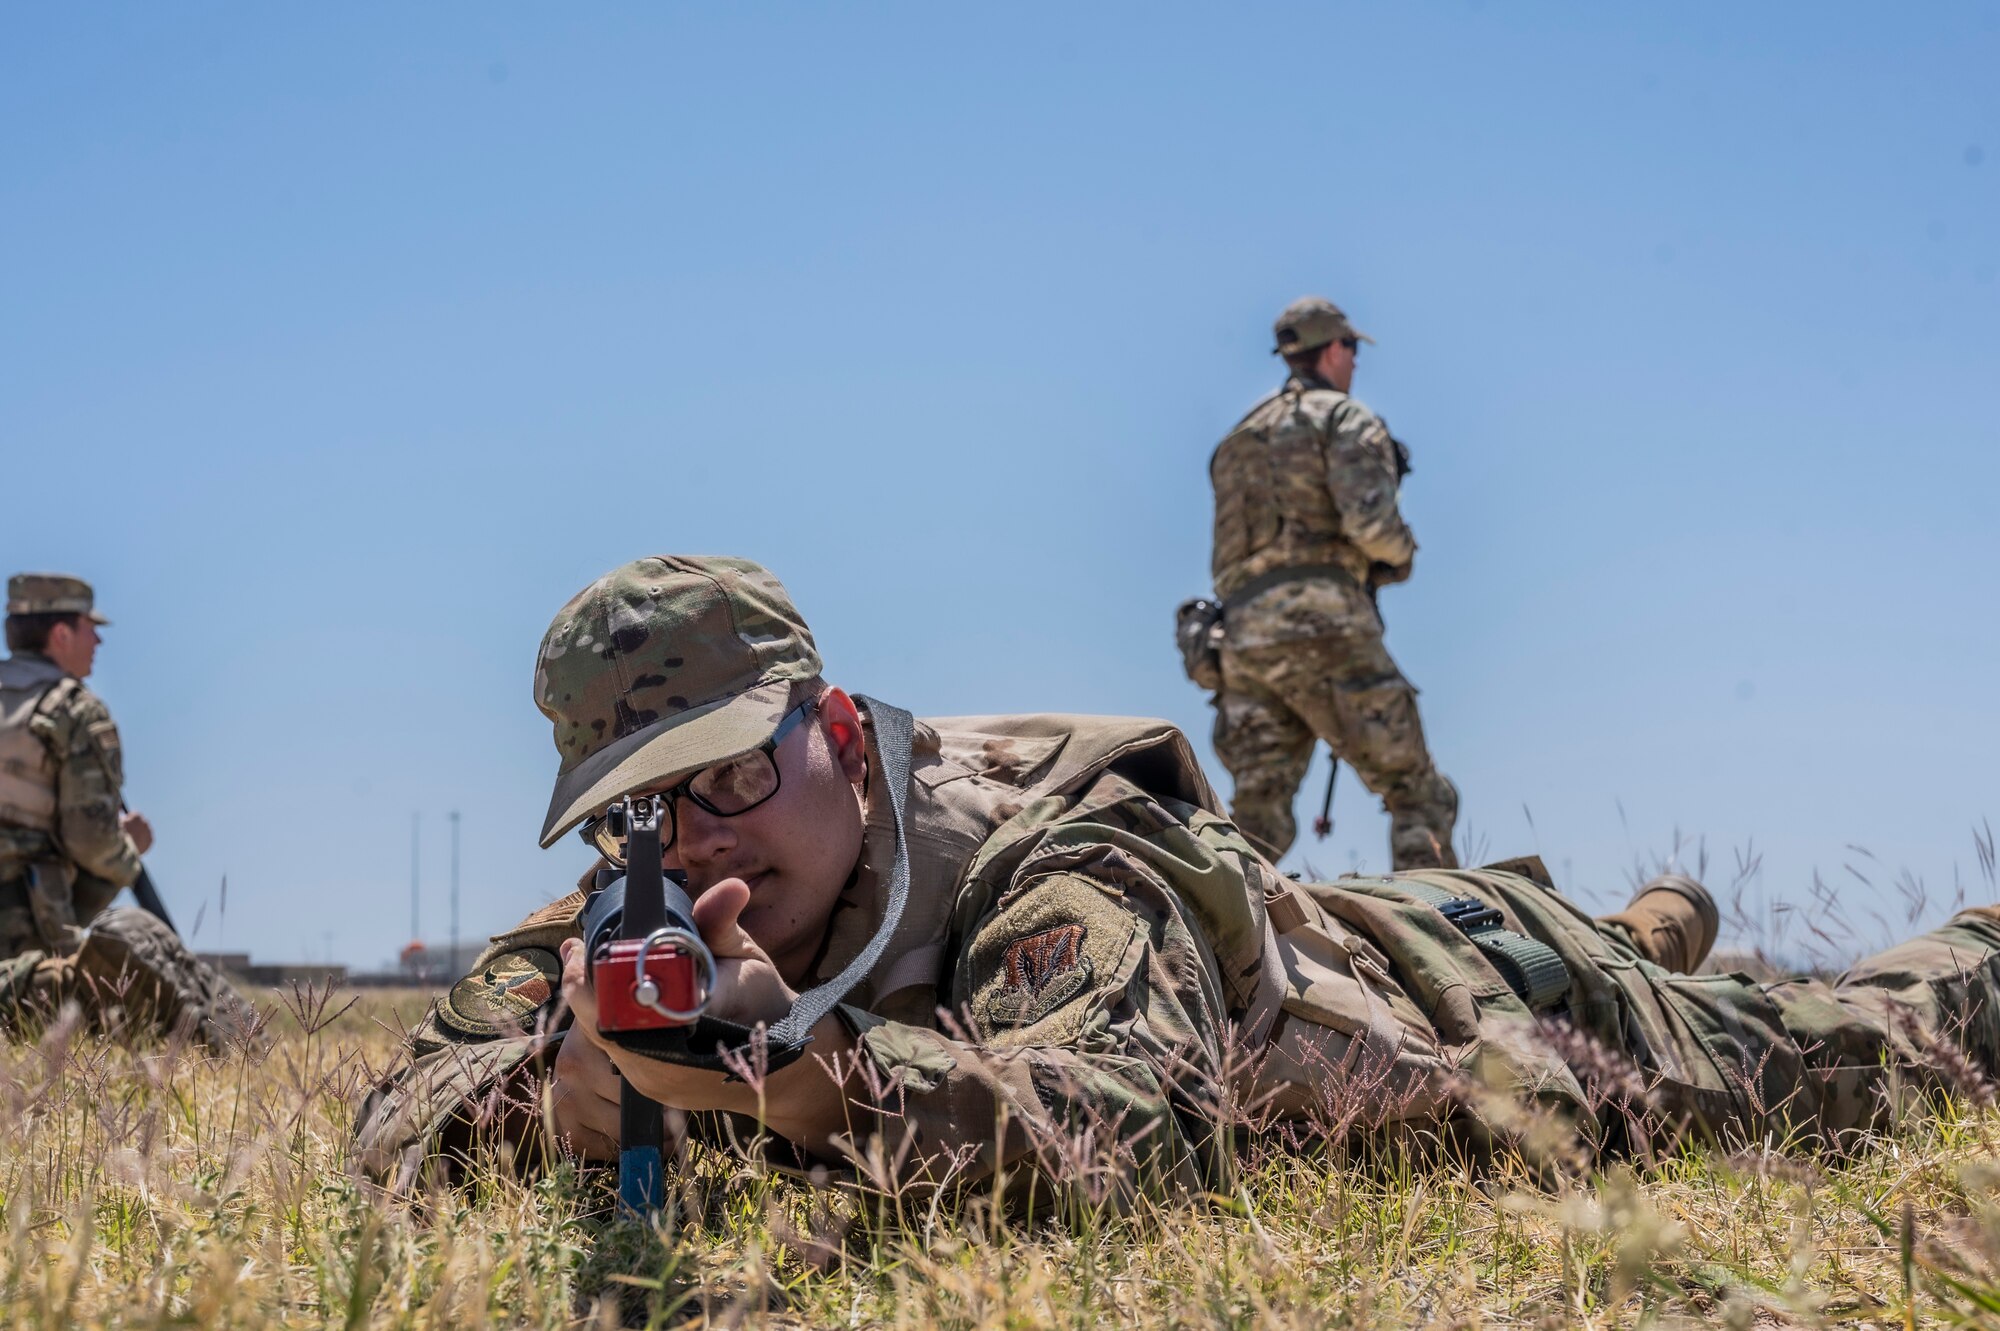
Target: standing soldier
[[67, 847], [1306, 532]]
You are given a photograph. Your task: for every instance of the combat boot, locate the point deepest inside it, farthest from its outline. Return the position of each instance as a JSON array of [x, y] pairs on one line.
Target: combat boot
[[1671, 922], [1982, 922]]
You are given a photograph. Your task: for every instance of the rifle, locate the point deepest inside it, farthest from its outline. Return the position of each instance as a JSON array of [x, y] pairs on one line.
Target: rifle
[[147, 895], [1323, 825], [651, 973], [149, 898], [641, 1170]]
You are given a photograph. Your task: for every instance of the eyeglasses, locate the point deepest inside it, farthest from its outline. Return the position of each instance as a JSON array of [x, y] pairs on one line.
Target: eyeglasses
[[731, 787], [1351, 343]]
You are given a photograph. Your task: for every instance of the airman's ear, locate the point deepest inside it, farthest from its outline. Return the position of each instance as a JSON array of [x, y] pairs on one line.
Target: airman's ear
[[62, 639], [843, 727]]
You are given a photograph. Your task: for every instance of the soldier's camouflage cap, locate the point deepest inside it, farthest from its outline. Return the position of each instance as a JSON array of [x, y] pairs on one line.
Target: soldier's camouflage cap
[[1312, 321], [52, 594], [660, 668]]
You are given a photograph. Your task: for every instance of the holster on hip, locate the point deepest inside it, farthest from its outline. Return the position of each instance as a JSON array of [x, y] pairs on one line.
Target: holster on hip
[[1198, 633]]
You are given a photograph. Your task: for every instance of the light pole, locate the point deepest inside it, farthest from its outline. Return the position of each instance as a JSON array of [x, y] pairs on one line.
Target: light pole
[[416, 933], [455, 964]]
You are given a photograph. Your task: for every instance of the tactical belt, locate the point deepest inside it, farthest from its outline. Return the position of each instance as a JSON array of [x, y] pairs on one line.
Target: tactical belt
[[1531, 968], [1272, 577]]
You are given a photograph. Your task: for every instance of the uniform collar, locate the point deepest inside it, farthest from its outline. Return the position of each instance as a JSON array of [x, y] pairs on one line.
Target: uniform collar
[[33, 667]]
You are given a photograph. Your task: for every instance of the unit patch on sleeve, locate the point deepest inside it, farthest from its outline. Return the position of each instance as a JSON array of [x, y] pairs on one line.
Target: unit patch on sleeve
[[1042, 972], [1041, 968], [501, 998]]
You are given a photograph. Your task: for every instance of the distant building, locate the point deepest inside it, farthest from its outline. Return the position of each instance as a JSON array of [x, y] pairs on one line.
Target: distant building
[[238, 966], [441, 962], [421, 965], [418, 966]]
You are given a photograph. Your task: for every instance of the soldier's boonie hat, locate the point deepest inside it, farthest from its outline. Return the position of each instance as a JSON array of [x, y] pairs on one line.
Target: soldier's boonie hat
[[52, 594], [663, 667], [1312, 321]]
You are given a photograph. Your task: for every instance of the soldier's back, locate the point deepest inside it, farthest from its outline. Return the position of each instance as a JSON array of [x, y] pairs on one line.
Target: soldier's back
[[1273, 507]]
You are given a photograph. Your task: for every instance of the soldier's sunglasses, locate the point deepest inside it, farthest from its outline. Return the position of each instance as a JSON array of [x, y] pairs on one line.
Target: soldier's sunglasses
[[1351, 343], [731, 787]]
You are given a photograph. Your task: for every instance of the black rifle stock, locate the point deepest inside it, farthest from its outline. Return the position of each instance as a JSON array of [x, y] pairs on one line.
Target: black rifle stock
[[147, 895], [1323, 825], [149, 898]]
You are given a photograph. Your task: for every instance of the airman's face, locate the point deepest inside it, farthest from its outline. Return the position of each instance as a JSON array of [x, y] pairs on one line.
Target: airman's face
[[72, 646], [1336, 365], [796, 850]]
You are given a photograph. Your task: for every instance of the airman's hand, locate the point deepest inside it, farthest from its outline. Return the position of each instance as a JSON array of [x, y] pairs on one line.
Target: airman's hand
[[1387, 575], [583, 1099], [134, 825], [801, 1102], [746, 989]]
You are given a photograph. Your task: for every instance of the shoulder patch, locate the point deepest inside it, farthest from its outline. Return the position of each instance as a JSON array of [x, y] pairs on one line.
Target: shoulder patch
[[102, 733], [502, 996], [1042, 972], [1036, 970]]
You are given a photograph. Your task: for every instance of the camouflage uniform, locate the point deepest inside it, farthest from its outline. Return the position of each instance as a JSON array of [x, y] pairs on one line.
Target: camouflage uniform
[[1306, 530], [1099, 934], [64, 855]]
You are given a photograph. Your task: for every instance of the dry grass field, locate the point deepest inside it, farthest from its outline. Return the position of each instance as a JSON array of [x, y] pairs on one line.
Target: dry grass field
[[160, 1187]]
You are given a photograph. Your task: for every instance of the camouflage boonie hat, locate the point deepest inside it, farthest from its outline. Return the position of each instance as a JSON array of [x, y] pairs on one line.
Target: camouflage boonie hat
[[1312, 321], [659, 669], [52, 594]]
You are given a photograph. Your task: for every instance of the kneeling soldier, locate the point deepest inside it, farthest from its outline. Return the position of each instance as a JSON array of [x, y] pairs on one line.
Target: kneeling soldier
[[66, 848]]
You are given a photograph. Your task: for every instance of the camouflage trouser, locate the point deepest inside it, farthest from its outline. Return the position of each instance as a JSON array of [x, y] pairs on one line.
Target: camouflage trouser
[[1904, 1013], [129, 973], [1739, 1059], [1305, 661]]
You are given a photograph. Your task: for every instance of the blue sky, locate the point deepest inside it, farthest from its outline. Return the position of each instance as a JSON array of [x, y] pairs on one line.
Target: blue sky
[[340, 344]]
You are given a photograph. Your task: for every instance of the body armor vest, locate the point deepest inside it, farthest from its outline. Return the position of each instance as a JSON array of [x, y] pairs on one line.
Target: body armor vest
[[27, 770], [1273, 509]]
